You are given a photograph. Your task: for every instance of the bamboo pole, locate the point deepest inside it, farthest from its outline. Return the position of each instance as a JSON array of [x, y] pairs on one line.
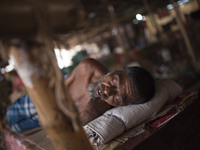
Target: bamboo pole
[[1, 125], [154, 23], [115, 24], [198, 2], [185, 35], [151, 16], [58, 126]]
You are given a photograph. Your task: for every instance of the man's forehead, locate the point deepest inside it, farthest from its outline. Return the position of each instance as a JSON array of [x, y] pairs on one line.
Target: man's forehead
[[123, 75], [129, 85], [118, 72]]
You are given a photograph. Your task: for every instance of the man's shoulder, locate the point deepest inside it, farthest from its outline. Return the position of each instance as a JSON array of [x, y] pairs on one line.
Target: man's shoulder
[[89, 61], [93, 64]]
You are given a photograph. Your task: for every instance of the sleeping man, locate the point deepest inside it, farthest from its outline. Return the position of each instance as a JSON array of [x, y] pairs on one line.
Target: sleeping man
[[95, 91]]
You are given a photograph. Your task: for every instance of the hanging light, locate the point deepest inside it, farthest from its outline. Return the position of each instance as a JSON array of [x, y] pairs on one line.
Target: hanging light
[[139, 17]]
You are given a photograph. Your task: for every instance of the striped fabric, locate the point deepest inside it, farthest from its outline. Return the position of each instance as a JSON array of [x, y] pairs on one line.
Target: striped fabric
[[22, 115]]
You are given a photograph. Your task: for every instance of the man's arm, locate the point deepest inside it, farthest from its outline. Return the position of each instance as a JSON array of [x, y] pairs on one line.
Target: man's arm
[[77, 83]]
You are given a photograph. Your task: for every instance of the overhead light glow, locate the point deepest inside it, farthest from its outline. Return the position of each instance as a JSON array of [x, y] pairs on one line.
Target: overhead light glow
[[59, 58], [180, 2], [185, 1], [143, 18], [91, 15], [170, 6], [114, 31], [3, 70], [77, 48], [64, 57], [135, 21], [9, 68], [139, 17]]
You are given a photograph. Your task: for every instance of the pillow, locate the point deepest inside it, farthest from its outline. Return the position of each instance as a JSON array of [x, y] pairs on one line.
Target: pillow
[[115, 121]]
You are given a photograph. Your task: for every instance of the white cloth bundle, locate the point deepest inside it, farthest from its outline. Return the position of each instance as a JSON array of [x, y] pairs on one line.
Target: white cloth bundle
[[115, 121]]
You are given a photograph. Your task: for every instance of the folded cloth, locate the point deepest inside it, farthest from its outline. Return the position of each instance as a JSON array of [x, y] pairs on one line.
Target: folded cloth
[[115, 121]]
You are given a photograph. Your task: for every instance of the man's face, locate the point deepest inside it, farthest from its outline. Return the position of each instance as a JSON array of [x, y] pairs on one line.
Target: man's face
[[114, 88]]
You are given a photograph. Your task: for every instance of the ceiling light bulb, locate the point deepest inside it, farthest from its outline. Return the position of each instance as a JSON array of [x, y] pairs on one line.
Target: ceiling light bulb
[[139, 17]]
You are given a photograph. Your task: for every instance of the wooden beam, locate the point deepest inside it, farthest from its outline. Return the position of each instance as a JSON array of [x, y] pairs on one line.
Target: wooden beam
[[60, 128], [18, 18]]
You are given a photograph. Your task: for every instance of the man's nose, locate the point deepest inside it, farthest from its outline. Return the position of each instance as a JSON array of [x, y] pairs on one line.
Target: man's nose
[[109, 90]]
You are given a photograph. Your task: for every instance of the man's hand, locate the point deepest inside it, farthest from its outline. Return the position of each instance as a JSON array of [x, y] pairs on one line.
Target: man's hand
[[94, 109]]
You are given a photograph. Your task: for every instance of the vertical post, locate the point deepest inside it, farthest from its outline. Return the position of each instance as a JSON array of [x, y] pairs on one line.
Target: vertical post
[[1, 125], [115, 24], [185, 35], [198, 1], [57, 125], [151, 16], [161, 33]]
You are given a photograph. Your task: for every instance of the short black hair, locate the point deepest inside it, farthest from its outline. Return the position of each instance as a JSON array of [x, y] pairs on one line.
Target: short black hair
[[143, 82]]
